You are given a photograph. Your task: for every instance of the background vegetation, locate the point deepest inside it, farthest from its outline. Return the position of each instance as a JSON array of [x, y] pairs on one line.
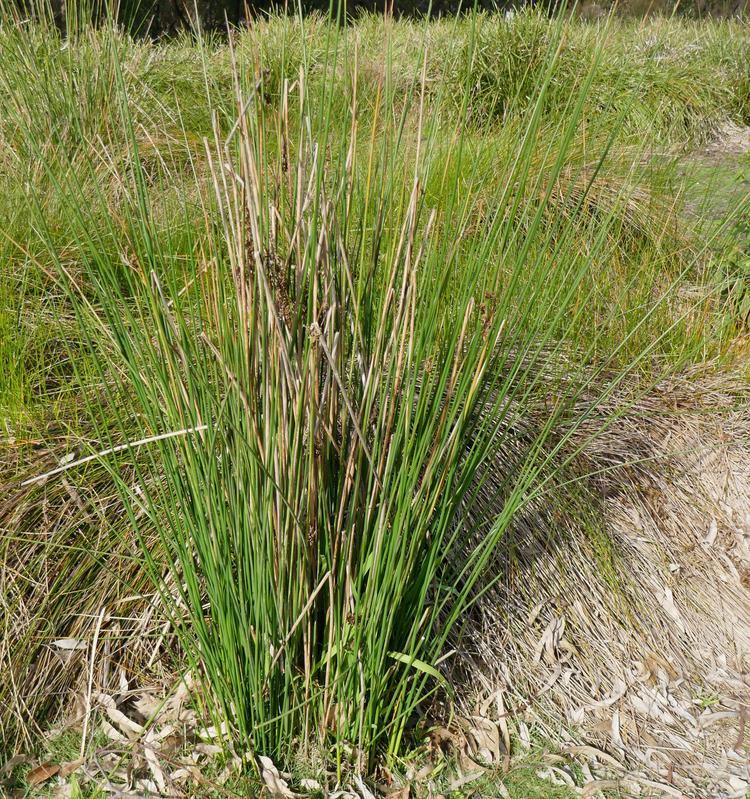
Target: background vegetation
[[166, 17]]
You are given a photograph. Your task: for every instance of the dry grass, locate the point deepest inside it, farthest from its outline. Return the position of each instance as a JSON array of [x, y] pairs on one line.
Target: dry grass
[[73, 558]]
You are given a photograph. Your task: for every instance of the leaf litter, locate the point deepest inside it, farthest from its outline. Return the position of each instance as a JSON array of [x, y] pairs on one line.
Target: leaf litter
[[645, 655]]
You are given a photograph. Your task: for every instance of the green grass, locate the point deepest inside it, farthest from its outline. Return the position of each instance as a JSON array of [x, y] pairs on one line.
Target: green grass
[[327, 273], [171, 89]]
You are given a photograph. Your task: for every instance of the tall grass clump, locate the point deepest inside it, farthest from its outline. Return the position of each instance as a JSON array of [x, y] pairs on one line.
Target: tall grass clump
[[306, 362]]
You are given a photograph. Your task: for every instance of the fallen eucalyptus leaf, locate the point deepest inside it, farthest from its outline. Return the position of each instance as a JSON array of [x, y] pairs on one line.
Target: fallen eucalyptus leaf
[[364, 791], [276, 785], [70, 644], [42, 773], [66, 769], [16, 760]]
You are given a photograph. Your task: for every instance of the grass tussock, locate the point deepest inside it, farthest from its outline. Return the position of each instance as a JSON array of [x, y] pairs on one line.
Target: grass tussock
[[322, 297]]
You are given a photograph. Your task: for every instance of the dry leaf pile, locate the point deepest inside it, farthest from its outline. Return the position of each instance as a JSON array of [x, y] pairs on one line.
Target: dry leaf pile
[[637, 640]]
